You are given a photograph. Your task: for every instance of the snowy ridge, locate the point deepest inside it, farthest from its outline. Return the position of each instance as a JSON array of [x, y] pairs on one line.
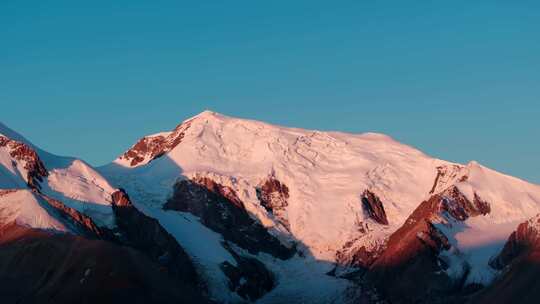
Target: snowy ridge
[[69, 180], [326, 173], [478, 239], [23, 208]]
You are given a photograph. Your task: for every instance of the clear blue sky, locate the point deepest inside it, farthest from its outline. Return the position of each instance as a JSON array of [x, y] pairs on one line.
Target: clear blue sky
[[457, 79]]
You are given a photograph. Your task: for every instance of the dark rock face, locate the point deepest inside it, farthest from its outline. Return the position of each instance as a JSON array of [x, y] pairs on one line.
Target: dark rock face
[[147, 235], [521, 242], [42, 267], [410, 270], [155, 146], [520, 264], [481, 206], [218, 209], [84, 224], [273, 196], [152, 146], [455, 203], [250, 279], [221, 190], [22, 152], [374, 207]]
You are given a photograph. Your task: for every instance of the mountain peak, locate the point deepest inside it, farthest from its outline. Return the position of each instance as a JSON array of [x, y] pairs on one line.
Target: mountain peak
[[208, 114]]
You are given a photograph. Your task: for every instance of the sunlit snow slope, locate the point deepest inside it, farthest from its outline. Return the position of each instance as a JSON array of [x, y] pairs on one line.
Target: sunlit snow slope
[[67, 179], [326, 173]]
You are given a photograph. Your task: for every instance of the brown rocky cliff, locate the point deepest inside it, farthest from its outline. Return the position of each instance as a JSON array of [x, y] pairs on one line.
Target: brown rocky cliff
[[524, 240], [519, 262], [409, 267], [148, 236], [153, 147], [84, 224], [225, 215], [409, 270]]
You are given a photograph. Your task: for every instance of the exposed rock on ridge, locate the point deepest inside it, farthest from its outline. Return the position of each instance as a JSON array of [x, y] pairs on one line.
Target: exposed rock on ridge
[[410, 268], [82, 222], [151, 147], [219, 209], [32, 163], [147, 235]]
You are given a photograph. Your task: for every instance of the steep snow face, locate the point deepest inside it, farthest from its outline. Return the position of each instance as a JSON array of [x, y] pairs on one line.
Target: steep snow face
[[23, 208], [67, 179], [512, 199], [325, 172], [80, 182], [80, 187]]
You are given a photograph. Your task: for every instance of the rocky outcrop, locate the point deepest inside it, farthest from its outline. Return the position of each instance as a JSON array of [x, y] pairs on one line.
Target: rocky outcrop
[[460, 207], [519, 262], [146, 235], [250, 278], [218, 189], [33, 165], [448, 175], [83, 223], [412, 252], [410, 269], [151, 147], [273, 196], [37, 266], [524, 240], [373, 206], [358, 257], [219, 209]]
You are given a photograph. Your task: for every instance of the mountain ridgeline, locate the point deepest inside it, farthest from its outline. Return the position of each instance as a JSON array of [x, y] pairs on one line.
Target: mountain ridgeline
[[228, 210]]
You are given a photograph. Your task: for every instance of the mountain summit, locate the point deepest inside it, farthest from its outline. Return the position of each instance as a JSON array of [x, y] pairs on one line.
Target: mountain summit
[[241, 211]]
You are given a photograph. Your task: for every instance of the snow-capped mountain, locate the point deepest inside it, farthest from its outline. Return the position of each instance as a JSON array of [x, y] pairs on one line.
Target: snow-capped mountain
[[63, 239], [339, 196], [68, 179], [244, 210], [325, 173]]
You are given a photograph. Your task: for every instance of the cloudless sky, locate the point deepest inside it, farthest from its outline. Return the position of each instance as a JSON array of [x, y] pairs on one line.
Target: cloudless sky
[[459, 80]]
